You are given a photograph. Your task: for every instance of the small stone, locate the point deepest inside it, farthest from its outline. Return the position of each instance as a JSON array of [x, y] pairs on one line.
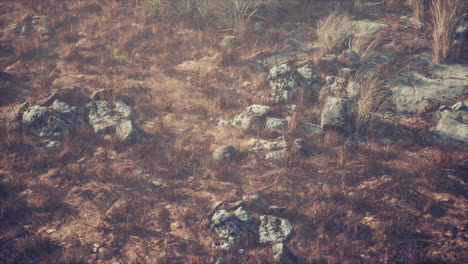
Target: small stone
[[225, 154], [276, 124], [458, 106]]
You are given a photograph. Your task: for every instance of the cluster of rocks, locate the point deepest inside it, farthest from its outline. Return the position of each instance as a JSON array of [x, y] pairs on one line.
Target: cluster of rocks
[[453, 125], [53, 116], [234, 228], [32, 23]]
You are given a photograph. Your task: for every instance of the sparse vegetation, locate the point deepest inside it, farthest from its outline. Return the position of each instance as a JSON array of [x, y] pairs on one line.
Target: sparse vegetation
[[373, 187], [445, 15]]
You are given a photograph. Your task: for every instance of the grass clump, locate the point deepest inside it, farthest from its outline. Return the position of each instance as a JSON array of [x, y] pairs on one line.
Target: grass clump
[[333, 30], [444, 18]]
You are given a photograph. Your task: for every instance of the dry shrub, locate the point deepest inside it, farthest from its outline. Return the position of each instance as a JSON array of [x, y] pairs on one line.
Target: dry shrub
[[364, 42], [444, 18], [333, 30]]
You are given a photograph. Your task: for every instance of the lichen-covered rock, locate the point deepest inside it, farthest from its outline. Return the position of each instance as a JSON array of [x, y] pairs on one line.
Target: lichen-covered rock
[[231, 227], [251, 119], [49, 121], [273, 229], [270, 149], [276, 124], [340, 87], [311, 129], [224, 154], [336, 114], [128, 132], [286, 81], [106, 116]]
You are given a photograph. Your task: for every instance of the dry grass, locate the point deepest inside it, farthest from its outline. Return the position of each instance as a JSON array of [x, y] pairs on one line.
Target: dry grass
[[365, 42], [333, 30], [373, 100], [418, 9], [444, 18]]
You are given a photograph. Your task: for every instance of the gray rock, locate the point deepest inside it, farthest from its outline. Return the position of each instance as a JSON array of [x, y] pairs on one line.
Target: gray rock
[[270, 149], [46, 32], [350, 58], [310, 76], [336, 114], [413, 91], [15, 27], [281, 254], [285, 83], [298, 147], [128, 132], [276, 124], [229, 42], [311, 129], [458, 106], [273, 229], [106, 116], [250, 119], [225, 154], [231, 227], [453, 127]]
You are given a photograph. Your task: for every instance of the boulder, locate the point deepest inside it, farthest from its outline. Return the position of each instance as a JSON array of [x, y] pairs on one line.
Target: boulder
[[298, 147], [273, 229], [230, 227], [453, 127], [282, 255], [311, 129], [340, 87], [285, 81], [106, 116], [251, 119], [128, 132], [276, 124], [225, 154], [336, 114], [270, 149], [413, 91]]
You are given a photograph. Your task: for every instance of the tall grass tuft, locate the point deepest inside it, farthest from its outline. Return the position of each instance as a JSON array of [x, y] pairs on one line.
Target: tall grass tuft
[[333, 29], [444, 18], [418, 9]]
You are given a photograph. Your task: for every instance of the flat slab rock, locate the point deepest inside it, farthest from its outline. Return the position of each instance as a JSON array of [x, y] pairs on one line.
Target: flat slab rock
[[414, 91]]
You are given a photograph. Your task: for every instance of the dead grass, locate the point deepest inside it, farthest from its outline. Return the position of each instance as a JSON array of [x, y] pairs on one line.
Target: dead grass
[[333, 29], [418, 9], [444, 18]]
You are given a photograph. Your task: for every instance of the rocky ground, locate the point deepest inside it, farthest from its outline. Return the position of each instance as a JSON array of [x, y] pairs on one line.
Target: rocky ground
[[126, 138]]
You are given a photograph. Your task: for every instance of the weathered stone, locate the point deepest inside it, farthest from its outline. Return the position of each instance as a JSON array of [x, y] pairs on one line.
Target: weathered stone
[[225, 154], [250, 119], [453, 127], [276, 124], [336, 114], [231, 227], [273, 229], [298, 147], [311, 129], [128, 132], [270, 149], [284, 81], [105, 116], [282, 255]]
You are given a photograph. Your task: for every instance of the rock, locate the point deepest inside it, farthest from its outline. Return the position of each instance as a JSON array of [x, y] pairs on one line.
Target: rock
[[53, 144], [46, 32], [15, 27], [225, 154], [340, 87], [49, 122], [270, 149], [285, 83], [106, 116], [282, 255], [102, 94], [311, 129], [250, 119], [458, 106], [350, 58], [298, 147], [346, 73], [231, 227], [329, 64], [229, 42], [411, 22], [273, 229], [336, 114], [311, 76], [413, 91], [453, 127], [276, 124], [128, 132]]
